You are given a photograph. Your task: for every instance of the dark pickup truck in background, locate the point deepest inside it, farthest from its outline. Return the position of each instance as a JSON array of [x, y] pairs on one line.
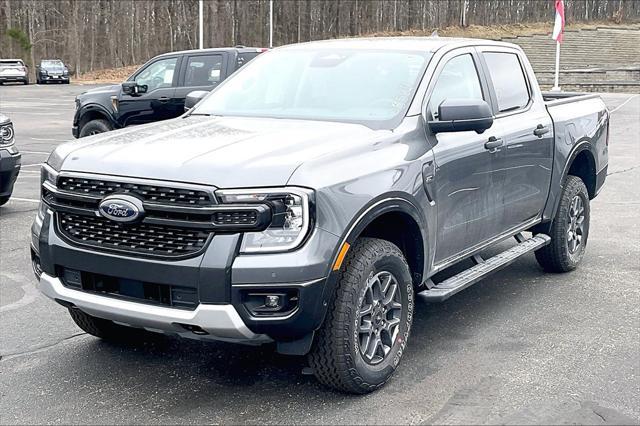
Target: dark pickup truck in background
[[157, 90], [52, 70], [310, 199]]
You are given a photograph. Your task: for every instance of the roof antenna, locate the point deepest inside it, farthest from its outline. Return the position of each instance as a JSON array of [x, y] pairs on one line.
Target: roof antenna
[[434, 33]]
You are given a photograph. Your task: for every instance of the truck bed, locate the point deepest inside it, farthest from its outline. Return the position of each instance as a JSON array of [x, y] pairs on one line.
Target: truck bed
[[559, 98]]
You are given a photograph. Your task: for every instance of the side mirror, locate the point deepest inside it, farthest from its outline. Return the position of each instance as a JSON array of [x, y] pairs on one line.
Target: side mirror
[[193, 98], [462, 115], [134, 89]]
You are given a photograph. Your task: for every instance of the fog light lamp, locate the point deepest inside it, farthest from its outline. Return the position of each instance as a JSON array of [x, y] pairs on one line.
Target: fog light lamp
[[272, 301]]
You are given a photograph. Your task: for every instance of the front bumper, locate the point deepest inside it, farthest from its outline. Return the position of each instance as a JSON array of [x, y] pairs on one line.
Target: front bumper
[[221, 322], [47, 78], [9, 169], [220, 277]]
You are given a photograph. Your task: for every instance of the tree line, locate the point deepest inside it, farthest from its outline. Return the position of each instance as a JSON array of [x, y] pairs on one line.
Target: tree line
[[97, 34]]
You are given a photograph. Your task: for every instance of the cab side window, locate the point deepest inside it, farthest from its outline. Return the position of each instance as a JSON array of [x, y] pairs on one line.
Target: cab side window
[[508, 80], [457, 80], [203, 70], [158, 74]]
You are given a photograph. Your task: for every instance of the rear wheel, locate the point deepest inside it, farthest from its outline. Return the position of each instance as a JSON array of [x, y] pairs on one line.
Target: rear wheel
[[569, 230], [4, 200], [364, 335], [94, 127]]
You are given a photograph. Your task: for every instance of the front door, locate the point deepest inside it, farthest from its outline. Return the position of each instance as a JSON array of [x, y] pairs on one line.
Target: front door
[[528, 136], [467, 179], [157, 103]]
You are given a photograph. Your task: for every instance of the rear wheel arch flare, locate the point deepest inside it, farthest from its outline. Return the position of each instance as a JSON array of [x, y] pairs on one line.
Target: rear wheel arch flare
[[583, 165]]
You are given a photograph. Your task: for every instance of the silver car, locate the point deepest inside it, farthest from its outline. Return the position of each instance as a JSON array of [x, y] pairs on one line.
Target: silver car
[[13, 70]]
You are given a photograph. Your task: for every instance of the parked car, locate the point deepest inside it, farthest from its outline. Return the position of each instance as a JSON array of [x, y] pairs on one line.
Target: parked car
[[303, 204], [9, 159], [13, 70], [157, 90], [52, 70]]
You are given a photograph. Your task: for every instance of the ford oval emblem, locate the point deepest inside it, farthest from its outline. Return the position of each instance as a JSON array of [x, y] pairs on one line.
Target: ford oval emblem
[[121, 208]]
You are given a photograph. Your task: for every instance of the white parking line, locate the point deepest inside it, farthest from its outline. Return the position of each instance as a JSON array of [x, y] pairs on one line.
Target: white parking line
[[34, 152], [24, 200], [49, 139], [623, 104], [32, 165]]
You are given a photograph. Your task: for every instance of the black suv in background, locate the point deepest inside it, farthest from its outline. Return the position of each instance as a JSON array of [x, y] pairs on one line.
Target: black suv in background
[[157, 90], [52, 70]]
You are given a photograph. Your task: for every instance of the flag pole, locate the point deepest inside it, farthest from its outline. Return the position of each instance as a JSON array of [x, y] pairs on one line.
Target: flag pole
[[200, 25], [270, 23], [556, 86]]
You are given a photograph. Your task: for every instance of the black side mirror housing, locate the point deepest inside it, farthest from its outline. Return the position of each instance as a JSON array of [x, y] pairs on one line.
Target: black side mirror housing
[[134, 89], [462, 115], [193, 98]]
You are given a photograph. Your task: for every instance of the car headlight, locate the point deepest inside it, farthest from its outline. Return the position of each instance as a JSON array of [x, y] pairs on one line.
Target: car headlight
[[6, 135], [290, 221]]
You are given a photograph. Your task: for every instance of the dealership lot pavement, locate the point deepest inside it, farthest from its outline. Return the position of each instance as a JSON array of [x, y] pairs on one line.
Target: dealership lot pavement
[[520, 347]]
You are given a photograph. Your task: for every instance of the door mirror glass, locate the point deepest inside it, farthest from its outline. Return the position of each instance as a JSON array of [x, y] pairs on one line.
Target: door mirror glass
[[461, 115], [133, 89], [193, 98]]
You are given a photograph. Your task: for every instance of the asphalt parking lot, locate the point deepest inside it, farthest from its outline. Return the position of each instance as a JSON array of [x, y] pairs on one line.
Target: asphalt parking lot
[[520, 347]]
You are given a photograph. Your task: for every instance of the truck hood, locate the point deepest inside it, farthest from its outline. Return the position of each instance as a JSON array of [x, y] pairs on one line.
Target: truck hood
[[220, 151]]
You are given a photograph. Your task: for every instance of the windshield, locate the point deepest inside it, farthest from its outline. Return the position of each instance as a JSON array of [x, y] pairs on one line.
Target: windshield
[[365, 86], [51, 63]]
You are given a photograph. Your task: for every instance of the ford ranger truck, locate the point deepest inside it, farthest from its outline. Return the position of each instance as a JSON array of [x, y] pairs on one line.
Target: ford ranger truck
[[311, 197]]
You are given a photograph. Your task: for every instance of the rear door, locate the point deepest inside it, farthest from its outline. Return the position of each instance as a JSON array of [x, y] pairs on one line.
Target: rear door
[[200, 71], [160, 77], [527, 134], [466, 186]]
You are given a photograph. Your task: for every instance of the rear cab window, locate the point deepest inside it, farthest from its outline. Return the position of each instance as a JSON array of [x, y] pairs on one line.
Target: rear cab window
[[245, 57], [6, 63], [509, 81], [203, 70]]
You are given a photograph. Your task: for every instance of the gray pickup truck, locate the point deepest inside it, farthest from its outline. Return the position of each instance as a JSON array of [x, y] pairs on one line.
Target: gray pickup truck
[[311, 197]]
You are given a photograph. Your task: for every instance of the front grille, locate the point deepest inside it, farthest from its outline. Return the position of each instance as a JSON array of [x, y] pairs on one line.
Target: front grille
[[149, 193], [142, 239]]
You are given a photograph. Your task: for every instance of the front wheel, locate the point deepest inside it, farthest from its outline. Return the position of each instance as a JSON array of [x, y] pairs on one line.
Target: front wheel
[[95, 127], [105, 329], [569, 231], [4, 200], [365, 333]]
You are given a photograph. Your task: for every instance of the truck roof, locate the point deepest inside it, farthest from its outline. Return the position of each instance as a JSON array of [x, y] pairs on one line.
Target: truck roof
[[401, 43], [240, 49]]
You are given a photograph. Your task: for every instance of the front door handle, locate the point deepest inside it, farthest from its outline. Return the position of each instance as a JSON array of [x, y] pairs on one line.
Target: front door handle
[[541, 130], [163, 99], [493, 144]]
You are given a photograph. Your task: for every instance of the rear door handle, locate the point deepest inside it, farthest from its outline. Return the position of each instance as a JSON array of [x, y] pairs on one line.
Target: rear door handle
[[541, 130], [493, 144]]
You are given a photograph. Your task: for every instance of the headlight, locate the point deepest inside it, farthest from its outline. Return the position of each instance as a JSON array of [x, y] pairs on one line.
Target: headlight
[[290, 222], [48, 174], [6, 134]]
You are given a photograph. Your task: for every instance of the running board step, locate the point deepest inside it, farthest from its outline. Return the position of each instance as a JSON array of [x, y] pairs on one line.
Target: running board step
[[447, 288]]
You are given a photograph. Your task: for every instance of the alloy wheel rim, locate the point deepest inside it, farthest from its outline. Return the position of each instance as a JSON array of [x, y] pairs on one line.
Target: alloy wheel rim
[[380, 314], [575, 233]]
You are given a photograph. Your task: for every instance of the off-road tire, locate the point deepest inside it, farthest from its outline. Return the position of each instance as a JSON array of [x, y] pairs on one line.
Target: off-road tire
[[556, 256], [94, 127], [101, 328], [335, 355]]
